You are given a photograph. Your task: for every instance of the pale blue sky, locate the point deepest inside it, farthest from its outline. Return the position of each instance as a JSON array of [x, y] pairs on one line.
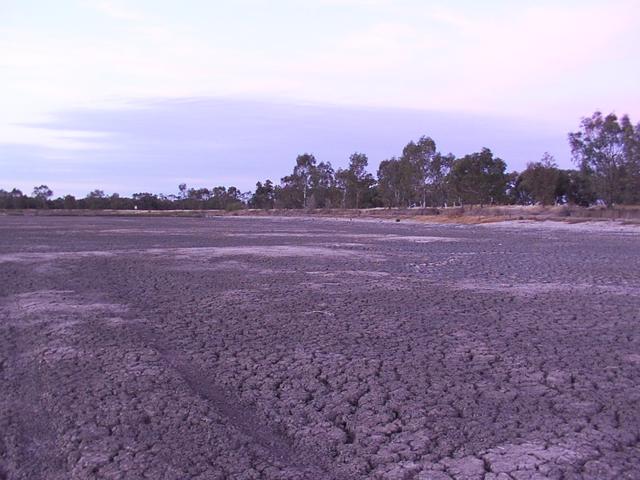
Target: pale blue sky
[[141, 95]]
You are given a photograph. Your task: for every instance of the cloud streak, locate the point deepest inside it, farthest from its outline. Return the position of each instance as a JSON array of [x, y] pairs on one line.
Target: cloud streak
[[156, 144]]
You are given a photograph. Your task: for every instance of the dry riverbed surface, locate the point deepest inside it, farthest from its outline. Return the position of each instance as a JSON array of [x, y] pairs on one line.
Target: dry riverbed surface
[[244, 348]]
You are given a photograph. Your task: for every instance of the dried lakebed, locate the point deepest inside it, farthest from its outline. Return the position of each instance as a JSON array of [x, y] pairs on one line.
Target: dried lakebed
[[239, 348]]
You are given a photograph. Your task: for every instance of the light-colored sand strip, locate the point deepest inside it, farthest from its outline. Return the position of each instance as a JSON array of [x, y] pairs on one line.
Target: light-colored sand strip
[[196, 253], [535, 288], [586, 227]]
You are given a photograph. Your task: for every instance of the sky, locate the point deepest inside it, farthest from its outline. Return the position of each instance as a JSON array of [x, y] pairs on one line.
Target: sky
[[141, 95]]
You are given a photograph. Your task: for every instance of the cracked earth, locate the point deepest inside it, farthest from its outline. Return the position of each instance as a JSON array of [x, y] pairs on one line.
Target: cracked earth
[[239, 348]]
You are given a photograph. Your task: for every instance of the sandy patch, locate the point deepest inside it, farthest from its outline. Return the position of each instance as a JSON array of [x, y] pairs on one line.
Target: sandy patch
[[56, 301], [37, 257], [55, 315], [535, 288], [354, 273], [347, 236], [143, 231], [583, 226], [194, 253], [274, 251]]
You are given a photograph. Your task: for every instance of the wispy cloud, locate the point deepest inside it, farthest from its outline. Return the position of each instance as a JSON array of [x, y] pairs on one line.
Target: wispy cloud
[[155, 144], [53, 139]]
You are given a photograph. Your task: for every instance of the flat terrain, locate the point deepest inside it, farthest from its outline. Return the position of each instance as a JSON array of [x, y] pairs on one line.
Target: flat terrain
[[243, 348]]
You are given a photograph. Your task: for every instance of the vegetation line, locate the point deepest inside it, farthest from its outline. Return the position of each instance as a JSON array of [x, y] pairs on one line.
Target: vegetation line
[[606, 150]]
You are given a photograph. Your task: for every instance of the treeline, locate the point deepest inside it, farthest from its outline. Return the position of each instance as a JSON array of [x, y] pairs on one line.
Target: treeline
[[605, 149], [218, 198]]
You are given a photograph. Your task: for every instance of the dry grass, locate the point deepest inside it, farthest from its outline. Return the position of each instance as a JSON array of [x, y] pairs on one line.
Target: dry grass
[[472, 214]]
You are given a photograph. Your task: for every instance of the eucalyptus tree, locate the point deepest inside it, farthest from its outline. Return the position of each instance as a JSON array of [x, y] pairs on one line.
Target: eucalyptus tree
[[606, 149], [419, 156], [264, 195], [41, 195], [296, 187], [355, 182], [540, 182], [479, 178]]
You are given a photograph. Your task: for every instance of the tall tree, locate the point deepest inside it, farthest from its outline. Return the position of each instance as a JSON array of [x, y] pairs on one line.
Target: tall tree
[[479, 178], [631, 174], [69, 202], [355, 182], [42, 194], [541, 182], [396, 182], [96, 200], [577, 187], [296, 187], [305, 164], [223, 198], [182, 188], [437, 173], [264, 195], [419, 156], [322, 185], [599, 149]]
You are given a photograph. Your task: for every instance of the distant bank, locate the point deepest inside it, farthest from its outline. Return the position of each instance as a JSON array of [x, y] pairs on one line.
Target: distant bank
[[468, 214]]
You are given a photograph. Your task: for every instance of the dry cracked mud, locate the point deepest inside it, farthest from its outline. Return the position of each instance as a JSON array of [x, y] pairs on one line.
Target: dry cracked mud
[[296, 348]]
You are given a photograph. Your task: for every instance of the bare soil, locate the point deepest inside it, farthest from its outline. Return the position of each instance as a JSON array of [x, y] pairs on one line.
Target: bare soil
[[299, 348]]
